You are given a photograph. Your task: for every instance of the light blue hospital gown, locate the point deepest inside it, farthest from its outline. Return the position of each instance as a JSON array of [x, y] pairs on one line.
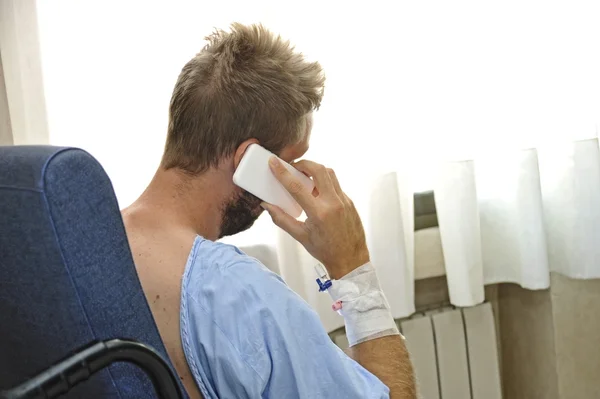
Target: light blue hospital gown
[[246, 334]]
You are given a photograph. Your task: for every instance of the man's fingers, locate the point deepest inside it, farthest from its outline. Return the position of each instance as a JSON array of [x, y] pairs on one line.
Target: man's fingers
[[336, 183], [319, 175], [286, 222], [292, 185]]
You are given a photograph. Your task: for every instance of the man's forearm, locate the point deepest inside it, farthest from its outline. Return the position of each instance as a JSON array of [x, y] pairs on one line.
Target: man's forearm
[[388, 359], [367, 315]]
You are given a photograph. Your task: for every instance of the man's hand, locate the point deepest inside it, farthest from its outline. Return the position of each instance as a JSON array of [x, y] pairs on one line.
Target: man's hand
[[332, 232]]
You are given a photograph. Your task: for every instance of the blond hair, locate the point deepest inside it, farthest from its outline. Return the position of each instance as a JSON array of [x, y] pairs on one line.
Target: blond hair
[[246, 83]]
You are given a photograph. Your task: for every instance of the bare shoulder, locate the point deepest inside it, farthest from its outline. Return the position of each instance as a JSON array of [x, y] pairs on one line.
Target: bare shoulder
[[156, 244], [160, 250]]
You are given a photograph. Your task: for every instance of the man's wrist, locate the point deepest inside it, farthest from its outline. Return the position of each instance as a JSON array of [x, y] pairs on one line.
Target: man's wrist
[[339, 270], [363, 305]]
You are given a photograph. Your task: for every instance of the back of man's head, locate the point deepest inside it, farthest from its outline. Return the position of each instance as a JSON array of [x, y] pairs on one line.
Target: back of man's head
[[246, 83]]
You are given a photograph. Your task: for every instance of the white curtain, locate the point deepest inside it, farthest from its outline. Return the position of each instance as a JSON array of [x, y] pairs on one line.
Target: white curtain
[[420, 95], [515, 217]]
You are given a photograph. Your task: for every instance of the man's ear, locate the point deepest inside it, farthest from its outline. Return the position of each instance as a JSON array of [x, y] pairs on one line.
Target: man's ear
[[241, 150]]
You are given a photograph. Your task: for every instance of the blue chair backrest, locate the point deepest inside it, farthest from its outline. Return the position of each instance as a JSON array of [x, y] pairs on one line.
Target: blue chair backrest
[[67, 276]]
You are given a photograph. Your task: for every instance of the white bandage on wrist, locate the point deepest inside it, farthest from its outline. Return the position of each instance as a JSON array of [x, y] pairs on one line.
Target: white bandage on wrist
[[364, 306]]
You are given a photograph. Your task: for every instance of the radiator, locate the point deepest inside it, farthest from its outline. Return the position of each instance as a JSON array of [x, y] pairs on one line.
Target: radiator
[[454, 352]]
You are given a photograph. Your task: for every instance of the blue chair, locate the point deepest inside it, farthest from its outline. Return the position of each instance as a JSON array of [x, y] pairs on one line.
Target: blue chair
[[67, 276]]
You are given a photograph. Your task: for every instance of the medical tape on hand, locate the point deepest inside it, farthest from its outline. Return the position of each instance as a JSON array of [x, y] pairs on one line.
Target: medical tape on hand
[[364, 307]]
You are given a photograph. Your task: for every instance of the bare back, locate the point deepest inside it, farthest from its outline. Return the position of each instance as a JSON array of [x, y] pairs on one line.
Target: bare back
[[160, 252]]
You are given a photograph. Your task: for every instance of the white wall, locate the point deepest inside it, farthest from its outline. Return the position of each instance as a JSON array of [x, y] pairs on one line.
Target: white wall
[[406, 80], [19, 45], [5, 129]]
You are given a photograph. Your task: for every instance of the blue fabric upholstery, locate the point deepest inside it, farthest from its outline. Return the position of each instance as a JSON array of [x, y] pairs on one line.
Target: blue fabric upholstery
[[66, 272]]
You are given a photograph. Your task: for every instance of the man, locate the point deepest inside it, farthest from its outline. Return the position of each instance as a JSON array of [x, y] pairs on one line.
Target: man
[[232, 328]]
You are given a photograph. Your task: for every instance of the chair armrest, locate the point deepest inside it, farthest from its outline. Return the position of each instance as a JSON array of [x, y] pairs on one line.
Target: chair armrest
[[74, 369]]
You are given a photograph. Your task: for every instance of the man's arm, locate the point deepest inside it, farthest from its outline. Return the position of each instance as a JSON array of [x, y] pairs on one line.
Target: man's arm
[[333, 234], [388, 359]]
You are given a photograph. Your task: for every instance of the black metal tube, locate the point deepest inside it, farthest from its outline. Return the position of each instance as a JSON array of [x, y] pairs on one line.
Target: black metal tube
[[64, 375], [164, 380]]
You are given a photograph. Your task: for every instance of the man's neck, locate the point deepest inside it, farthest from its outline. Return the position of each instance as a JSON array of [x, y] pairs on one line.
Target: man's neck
[[194, 203]]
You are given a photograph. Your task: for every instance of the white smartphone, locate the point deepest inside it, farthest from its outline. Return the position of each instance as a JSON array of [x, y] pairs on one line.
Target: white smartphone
[[254, 175]]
